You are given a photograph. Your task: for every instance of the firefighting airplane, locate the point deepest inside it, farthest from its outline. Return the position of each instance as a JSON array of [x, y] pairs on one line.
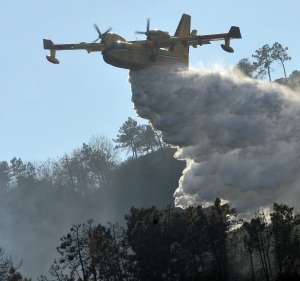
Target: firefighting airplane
[[158, 48]]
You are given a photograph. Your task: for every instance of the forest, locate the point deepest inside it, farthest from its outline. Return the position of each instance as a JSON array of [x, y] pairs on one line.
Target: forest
[[189, 244], [154, 243], [88, 215]]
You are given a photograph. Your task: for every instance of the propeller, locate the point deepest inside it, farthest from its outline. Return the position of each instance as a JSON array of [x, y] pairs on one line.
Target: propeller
[[145, 32], [100, 35]]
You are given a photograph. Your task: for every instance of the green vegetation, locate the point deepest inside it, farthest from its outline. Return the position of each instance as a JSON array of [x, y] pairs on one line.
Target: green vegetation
[[264, 58], [40, 200], [189, 244], [138, 139], [8, 271], [154, 243]]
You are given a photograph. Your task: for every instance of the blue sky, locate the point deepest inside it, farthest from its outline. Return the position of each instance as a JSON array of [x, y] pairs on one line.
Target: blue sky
[[47, 110]]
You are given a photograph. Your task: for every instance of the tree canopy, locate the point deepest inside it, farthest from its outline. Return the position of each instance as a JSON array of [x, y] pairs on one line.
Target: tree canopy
[[183, 244], [264, 59], [136, 138], [155, 243]]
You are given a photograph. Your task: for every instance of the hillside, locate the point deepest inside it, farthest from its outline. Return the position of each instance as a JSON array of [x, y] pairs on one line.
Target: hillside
[[36, 216], [149, 180]]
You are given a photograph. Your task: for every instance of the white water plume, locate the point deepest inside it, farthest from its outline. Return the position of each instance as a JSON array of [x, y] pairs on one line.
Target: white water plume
[[239, 137]]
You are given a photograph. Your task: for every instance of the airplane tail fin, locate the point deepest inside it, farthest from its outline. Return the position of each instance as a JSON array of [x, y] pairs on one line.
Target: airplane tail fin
[[183, 30], [48, 45], [235, 32]]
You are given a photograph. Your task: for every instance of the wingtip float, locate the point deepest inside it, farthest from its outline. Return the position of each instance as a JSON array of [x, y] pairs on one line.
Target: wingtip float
[[158, 48]]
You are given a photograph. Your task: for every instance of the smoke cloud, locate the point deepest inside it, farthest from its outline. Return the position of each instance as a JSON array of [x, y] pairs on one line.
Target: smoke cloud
[[33, 220], [239, 137]]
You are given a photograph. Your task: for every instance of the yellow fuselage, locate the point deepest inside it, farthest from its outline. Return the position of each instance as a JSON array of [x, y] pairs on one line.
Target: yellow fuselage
[[132, 56]]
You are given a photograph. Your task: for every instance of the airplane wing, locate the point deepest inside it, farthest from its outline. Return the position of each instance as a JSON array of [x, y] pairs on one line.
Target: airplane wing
[[89, 47], [195, 40]]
